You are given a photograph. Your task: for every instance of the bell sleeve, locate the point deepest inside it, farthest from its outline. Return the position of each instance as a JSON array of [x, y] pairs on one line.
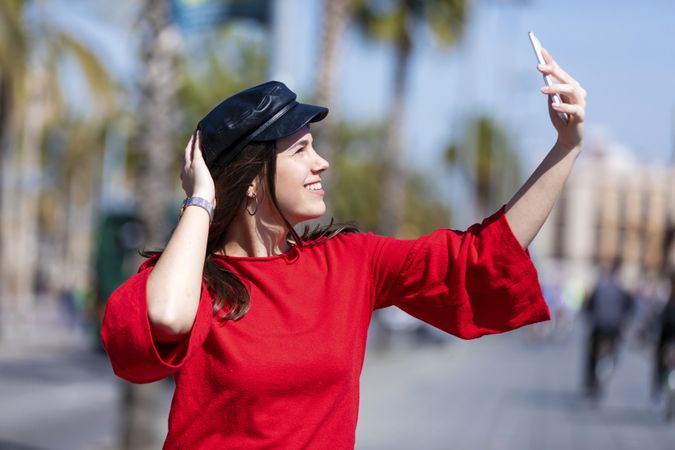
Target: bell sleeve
[[127, 337], [469, 284]]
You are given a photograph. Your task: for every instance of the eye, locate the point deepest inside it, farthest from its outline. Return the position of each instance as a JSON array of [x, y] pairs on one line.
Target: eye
[[299, 150]]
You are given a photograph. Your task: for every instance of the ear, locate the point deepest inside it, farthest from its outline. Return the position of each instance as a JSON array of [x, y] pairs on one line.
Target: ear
[[252, 190]]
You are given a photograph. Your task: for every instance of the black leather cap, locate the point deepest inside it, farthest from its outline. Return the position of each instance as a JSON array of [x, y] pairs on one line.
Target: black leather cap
[[262, 113]]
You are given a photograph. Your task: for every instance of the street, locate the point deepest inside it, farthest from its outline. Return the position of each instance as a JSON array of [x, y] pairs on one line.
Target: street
[[506, 392], [498, 392]]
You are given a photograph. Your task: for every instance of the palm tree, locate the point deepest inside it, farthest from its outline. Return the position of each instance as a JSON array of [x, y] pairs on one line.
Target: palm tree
[[488, 161], [12, 61], [336, 15], [142, 405], [396, 24], [29, 63], [220, 76], [157, 117], [358, 190], [12, 67]]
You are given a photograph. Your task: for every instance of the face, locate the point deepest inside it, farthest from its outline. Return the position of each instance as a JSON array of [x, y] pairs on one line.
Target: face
[[298, 177]]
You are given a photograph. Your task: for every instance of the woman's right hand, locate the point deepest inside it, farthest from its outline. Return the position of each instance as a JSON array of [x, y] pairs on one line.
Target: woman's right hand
[[196, 178]]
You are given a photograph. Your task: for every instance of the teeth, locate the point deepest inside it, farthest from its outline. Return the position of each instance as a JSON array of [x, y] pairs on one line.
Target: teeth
[[314, 186]]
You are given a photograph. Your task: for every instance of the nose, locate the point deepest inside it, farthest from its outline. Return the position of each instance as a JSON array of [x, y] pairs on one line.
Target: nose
[[320, 164]]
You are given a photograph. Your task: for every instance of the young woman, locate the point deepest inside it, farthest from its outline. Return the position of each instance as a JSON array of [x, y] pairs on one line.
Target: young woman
[[264, 330]]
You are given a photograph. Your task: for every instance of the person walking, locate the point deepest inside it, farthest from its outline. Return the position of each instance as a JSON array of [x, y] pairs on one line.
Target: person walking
[[607, 310], [264, 330], [664, 343]]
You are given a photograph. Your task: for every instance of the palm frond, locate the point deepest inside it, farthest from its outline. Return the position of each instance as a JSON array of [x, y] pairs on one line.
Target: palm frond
[[446, 19], [13, 38], [98, 78]]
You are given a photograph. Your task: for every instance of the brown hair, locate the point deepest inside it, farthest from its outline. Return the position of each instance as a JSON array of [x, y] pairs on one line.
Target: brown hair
[[231, 298]]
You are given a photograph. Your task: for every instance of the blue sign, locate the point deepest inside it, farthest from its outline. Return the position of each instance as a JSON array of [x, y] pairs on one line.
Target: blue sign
[[191, 14]]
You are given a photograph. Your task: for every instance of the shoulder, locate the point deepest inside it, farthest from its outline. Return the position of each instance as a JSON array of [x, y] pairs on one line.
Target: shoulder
[[363, 248], [341, 240], [355, 244]]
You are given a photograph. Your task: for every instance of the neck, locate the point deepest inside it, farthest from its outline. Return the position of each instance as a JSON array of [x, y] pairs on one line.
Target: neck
[[257, 236]]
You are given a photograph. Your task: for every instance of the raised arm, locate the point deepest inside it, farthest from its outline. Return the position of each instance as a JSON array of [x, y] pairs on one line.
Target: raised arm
[[530, 206], [174, 285]]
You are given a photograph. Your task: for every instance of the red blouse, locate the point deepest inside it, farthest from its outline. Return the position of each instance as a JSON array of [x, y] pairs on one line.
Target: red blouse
[[287, 374]]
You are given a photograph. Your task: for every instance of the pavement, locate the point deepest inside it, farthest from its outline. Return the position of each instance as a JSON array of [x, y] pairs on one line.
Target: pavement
[[513, 391], [518, 390]]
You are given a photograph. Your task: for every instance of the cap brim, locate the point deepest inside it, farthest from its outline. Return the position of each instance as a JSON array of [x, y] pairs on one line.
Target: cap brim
[[296, 118]]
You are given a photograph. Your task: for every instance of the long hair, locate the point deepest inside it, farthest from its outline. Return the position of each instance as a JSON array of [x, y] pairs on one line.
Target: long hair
[[231, 298]]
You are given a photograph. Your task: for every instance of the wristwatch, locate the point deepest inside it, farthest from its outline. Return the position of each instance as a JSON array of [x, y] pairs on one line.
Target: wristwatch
[[197, 201]]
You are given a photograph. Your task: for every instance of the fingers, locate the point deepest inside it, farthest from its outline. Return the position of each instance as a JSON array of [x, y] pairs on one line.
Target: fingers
[[552, 68], [576, 111], [569, 89], [572, 93], [195, 175], [188, 150], [574, 100], [198, 148], [190, 154]]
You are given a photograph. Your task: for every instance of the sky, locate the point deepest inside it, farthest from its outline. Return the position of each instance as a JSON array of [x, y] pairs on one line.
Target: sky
[[621, 51]]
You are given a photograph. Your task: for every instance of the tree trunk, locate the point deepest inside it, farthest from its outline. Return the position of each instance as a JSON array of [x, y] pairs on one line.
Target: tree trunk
[[8, 217], [336, 16], [391, 213], [158, 120], [143, 404], [21, 191], [79, 232]]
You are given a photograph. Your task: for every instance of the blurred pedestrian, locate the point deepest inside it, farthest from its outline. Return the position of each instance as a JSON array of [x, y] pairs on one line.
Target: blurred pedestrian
[[650, 297], [666, 339], [607, 310], [264, 330]]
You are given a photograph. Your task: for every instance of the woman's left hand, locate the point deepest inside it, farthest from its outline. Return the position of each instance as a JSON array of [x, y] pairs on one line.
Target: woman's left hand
[[570, 134]]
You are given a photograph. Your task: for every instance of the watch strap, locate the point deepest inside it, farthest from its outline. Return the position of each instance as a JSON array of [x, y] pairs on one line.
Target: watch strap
[[198, 201]]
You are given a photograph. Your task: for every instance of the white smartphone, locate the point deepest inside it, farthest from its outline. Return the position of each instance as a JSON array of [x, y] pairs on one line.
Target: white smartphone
[[555, 98]]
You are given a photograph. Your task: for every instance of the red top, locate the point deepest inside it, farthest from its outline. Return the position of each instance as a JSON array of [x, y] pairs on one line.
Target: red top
[[287, 374]]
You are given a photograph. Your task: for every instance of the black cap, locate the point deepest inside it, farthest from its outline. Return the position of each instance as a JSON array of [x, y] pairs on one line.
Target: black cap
[[262, 113]]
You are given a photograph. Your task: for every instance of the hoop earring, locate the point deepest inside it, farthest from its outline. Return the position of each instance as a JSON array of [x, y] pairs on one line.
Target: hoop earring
[[256, 205]]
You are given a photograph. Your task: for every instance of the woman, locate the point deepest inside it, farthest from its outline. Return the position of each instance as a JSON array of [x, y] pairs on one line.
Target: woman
[[265, 331]]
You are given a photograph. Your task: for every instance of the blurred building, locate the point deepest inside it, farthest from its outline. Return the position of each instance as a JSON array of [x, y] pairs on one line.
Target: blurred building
[[612, 206]]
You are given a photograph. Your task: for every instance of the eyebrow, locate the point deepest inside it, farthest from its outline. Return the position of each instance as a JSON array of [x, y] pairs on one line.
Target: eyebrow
[[301, 142]]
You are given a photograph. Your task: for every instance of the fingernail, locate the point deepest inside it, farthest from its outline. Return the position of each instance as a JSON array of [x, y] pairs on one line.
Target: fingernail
[[544, 89], [541, 66]]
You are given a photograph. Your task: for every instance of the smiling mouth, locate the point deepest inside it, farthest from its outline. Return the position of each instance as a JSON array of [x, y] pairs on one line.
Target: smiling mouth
[[314, 186]]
